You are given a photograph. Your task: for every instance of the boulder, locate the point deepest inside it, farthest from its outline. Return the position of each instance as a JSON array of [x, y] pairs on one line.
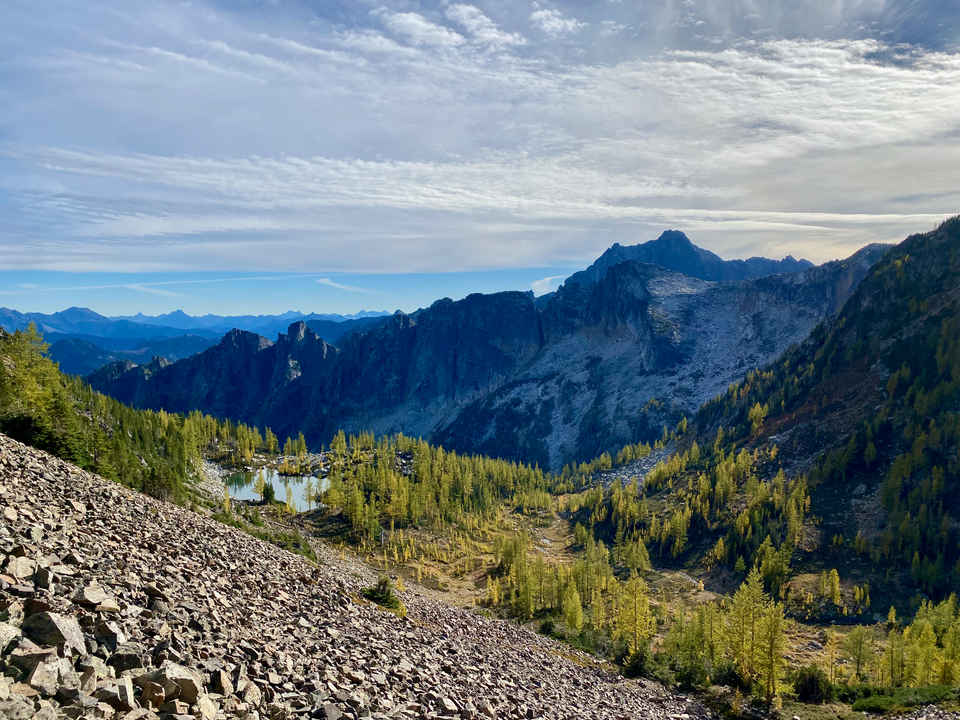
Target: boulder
[[91, 595], [178, 682], [153, 694], [21, 568], [44, 678], [27, 658], [8, 633], [57, 631], [128, 656]]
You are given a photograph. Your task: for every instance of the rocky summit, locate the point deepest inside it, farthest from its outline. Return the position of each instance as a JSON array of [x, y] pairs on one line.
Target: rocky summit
[[116, 605]]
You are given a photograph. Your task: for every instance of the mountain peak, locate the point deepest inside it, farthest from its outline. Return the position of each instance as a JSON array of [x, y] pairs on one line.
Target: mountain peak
[[675, 251], [674, 237]]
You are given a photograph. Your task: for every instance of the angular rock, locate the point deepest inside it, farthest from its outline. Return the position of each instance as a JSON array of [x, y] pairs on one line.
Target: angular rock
[[178, 682], [128, 656], [153, 695], [55, 630], [118, 694], [206, 707], [44, 678], [91, 595], [21, 568], [8, 633], [27, 658], [220, 682], [329, 711], [16, 709]]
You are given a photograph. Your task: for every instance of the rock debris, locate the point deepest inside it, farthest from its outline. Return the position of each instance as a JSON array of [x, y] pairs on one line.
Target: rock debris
[[116, 605]]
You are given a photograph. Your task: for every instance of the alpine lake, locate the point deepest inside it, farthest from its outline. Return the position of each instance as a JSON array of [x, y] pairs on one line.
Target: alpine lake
[[241, 486]]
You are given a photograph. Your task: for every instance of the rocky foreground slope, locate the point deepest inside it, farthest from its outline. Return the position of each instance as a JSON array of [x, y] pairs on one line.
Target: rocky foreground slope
[[115, 605]]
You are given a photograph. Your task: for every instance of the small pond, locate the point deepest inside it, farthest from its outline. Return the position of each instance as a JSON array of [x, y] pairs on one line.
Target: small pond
[[241, 486]]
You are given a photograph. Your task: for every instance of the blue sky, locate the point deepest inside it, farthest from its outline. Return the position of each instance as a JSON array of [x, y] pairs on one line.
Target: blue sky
[[413, 150]]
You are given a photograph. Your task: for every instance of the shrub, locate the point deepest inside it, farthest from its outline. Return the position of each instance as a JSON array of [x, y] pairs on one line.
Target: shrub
[[875, 704], [902, 698], [383, 595], [812, 685], [909, 697]]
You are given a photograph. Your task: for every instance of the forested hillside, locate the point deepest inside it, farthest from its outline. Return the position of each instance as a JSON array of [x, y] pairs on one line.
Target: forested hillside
[[844, 452], [155, 452]]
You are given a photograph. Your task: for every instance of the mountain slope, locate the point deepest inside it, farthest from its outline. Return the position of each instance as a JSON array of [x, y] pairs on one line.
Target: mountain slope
[[61, 414], [869, 407], [630, 353], [674, 251], [842, 454], [227, 625], [243, 377]]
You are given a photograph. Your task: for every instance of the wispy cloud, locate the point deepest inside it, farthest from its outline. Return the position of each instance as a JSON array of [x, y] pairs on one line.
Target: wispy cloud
[[480, 27], [545, 285], [418, 30], [349, 288], [552, 22], [153, 290]]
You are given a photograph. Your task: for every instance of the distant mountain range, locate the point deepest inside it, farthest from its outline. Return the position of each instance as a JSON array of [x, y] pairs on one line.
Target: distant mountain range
[[262, 324], [674, 251], [83, 341], [81, 321], [560, 379]]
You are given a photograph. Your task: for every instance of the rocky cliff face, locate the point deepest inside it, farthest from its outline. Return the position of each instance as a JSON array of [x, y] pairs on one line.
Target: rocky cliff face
[[495, 375], [243, 377], [412, 372], [641, 334], [674, 251], [116, 605]]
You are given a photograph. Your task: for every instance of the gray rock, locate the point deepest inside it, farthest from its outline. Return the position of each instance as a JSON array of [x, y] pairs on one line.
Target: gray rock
[[44, 678], [21, 568], [8, 633], [57, 631], [91, 595], [16, 709], [329, 711], [178, 682], [128, 656]]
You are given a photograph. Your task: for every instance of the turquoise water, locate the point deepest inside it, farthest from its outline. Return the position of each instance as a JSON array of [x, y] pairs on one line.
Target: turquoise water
[[241, 486]]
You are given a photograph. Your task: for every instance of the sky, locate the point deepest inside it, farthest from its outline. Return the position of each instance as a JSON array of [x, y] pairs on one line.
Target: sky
[[256, 156]]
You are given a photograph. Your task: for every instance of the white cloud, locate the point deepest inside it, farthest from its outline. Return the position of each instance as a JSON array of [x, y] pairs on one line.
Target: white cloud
[[340, 286], [609, 28], [480, 27], [153, 290], [552, 22], [545, 285], [187, 137], [418, 30]]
